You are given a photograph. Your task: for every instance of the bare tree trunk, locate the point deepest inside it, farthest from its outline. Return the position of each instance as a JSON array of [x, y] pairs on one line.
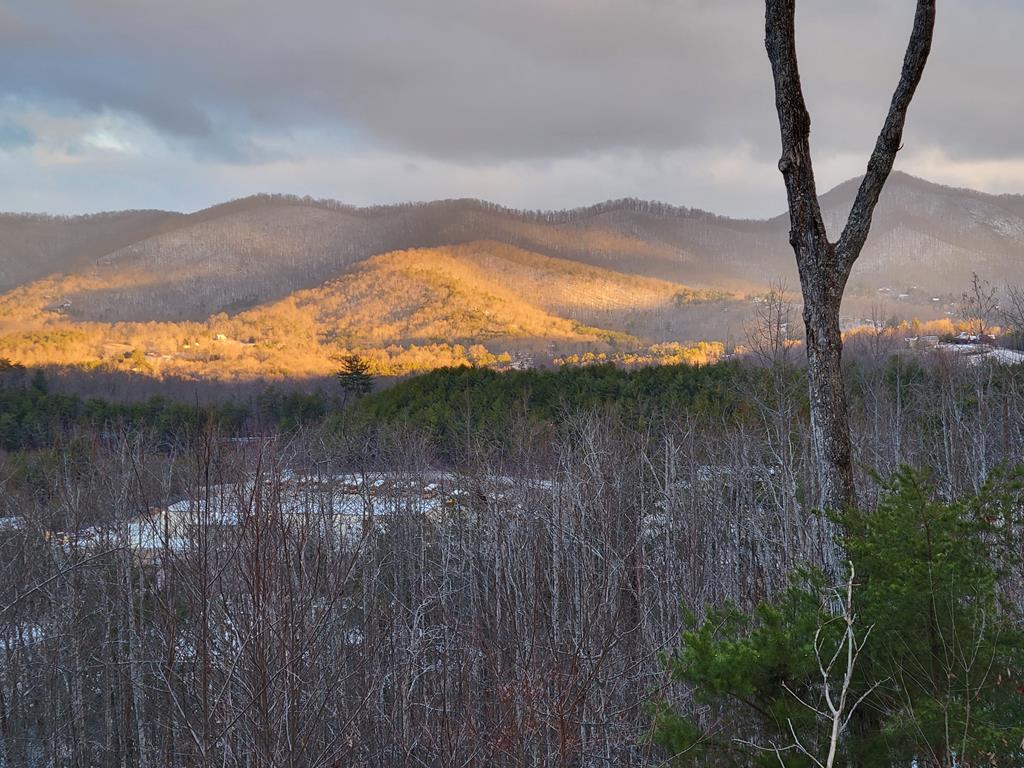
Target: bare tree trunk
[[135, 674], [830, 430], [825, 266]]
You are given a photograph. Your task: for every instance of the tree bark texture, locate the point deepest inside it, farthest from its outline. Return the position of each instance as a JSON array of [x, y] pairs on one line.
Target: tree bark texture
[[825, 266]]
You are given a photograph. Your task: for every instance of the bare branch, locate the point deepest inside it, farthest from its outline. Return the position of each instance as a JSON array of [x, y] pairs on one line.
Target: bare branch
[[795, 124], [889, 139]]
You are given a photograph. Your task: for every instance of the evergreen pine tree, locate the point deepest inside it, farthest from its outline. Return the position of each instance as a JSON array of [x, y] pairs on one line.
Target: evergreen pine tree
[[940, 679], [354, 376]]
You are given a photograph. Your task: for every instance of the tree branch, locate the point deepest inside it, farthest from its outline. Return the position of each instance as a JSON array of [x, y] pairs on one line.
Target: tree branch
[[889, 139], [806, 225], [73, 567]]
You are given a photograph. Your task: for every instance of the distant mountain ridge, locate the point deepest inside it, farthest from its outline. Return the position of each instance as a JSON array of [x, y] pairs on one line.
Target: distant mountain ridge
[[920, 229], [245, 256]]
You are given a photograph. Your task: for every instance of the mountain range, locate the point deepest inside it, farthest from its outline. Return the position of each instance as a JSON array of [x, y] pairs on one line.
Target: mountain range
[[281, 286]]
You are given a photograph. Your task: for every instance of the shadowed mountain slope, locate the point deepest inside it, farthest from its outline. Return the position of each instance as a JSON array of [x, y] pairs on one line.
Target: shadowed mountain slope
[[472, 272], [244, 253]]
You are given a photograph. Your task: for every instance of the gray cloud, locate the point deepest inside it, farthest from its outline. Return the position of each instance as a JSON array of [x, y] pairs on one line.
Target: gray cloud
[[14, 135], [478, 82]]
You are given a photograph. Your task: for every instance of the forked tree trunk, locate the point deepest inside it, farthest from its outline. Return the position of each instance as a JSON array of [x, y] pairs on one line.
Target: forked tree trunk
[[825, 266]]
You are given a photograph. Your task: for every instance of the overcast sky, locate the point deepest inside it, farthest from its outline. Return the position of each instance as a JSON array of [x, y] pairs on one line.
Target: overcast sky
[[108, 104]]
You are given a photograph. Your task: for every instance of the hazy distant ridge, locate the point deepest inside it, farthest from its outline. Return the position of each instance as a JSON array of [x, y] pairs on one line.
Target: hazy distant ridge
[[245, 252]]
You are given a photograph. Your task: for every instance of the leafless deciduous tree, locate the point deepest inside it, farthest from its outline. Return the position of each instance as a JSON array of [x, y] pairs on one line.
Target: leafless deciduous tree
[[1011, 313], [825, 266], [194, 602], [836, 667], [979, 305]]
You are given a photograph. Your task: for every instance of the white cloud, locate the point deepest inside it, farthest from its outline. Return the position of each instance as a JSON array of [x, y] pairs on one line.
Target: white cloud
[[107, 141], [999, 176]]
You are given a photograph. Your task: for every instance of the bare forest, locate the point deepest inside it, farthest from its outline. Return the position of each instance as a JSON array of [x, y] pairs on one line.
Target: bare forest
[[357, 594]]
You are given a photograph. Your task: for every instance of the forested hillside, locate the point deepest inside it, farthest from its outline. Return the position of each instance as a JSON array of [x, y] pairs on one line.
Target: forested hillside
[[274, 286], [404, 311]]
